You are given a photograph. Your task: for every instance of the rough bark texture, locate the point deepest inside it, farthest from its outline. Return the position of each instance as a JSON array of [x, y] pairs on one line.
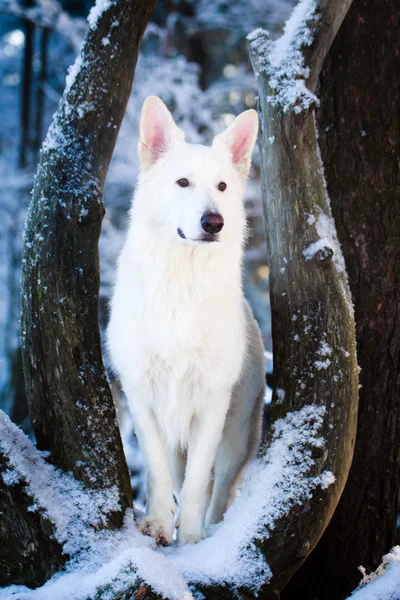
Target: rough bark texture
[[29, 555], [359, 123], [309, 300], [69, 399]]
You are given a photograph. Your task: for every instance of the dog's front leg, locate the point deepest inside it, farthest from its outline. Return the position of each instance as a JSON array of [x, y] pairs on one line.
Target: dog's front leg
[[205, 436], [159, 518]]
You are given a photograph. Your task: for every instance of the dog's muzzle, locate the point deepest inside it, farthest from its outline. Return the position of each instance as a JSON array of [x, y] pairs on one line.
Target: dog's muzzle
[[205, 237]]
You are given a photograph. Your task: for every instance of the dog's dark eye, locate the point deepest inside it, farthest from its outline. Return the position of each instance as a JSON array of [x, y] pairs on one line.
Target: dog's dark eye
[[222, 186], [182, 182]]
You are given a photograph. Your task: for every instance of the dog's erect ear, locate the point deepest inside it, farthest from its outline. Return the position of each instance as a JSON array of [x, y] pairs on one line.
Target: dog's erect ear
[[240, 138], [158, 131]]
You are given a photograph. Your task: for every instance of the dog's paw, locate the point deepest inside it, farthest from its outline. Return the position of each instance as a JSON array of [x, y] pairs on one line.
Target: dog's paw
[[190, 534], [155, 528]]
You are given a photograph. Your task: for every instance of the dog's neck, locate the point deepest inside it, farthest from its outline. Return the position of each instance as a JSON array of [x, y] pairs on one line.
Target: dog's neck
[[164, 263]]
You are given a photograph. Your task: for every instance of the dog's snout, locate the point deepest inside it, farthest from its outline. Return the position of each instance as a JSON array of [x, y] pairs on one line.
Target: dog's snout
[[212, 222]]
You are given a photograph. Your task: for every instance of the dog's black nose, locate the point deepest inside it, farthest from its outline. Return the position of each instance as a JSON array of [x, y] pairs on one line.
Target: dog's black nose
[[212, 222]]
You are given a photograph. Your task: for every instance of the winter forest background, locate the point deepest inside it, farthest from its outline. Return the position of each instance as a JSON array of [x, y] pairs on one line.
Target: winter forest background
[[194, 56]]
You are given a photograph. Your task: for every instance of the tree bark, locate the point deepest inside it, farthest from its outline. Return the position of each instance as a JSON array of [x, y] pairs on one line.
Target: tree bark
[[69, 398], [359, 122]]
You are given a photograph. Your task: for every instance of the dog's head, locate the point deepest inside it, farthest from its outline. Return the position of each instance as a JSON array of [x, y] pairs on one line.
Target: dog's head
[[194, 193]]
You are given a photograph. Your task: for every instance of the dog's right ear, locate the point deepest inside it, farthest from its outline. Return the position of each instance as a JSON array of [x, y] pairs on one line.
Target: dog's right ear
[[158, 131]]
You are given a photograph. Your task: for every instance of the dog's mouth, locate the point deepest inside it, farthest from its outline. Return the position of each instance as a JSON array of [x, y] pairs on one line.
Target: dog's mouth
[[205, 237]]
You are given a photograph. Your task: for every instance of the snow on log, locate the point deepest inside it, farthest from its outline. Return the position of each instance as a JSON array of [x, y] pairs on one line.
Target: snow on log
[[29, 552], [125, 564], [69, 399], [312, 315]]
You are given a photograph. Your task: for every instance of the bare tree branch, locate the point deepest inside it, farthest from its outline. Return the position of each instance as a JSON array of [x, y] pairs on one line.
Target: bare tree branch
[[48, 14]]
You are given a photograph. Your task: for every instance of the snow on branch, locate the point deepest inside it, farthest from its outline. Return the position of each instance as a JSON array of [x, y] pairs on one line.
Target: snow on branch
[[75, 511], [97, 11], [283, 60], [293, 62], [273, 485], [111, 562]]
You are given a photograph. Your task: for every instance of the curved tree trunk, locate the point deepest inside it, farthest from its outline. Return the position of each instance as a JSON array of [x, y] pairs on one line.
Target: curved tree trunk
[[69, 399], [360, 143], [312, 318]]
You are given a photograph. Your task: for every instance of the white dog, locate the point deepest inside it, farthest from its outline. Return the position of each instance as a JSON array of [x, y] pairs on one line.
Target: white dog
[[181, 335]]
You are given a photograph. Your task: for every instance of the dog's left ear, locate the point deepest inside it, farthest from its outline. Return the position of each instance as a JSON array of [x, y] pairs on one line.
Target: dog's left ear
[[240, 138], [158, 131]]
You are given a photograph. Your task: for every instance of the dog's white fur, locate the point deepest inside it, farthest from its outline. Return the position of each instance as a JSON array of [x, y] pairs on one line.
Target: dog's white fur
[[181, 335]]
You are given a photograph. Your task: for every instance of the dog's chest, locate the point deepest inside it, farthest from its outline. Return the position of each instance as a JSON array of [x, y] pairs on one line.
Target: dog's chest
[[188, 327]]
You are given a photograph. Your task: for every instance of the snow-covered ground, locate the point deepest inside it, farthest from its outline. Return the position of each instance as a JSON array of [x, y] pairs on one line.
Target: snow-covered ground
[[115, 559], [112, 561]]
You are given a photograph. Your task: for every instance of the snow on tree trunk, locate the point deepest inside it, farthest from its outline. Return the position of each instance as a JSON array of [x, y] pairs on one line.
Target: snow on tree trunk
[[359, 121], [312, 314], [29, 553], [69, 399]]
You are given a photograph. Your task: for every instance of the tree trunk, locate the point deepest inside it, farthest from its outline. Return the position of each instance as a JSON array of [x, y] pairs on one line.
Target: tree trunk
[[26, 91], [359, 122], [312, 317], [40, 95], [69, 398]]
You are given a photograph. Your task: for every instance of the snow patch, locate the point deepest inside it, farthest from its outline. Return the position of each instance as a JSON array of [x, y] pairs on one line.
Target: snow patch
[[322, 364], [115, 560], [310, 219], [75, 511], [72, 73], [324, 349], [97, 11], [326, 230], [280, 395], [382, 584]]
